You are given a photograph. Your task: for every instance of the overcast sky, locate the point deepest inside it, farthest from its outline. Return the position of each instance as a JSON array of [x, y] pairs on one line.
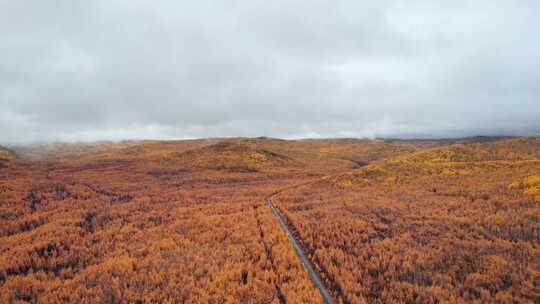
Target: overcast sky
[[95, 70]]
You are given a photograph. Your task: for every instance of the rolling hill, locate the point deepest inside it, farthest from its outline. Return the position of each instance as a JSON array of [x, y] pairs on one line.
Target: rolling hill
[[382, 221], [457, 223], [6, 156], [232, 156]]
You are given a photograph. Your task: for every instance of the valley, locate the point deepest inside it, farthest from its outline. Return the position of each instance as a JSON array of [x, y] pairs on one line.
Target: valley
[[380, 221]]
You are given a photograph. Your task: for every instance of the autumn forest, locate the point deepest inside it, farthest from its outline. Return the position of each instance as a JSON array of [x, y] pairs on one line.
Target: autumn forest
[[380, 221]]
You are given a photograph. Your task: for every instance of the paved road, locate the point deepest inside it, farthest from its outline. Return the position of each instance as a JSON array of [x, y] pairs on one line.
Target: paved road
[[307, 264]]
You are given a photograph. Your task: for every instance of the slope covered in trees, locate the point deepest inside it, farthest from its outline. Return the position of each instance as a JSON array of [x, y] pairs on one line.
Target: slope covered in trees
[[186, 221], [450, 224], [6, 154], [233, 156], [109, 228], [6, 157]]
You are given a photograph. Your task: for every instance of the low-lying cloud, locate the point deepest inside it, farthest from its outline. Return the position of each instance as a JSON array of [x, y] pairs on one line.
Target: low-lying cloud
[[77, 70]]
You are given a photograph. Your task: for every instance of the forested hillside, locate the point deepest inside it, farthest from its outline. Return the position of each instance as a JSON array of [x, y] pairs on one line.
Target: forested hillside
[[383, 221], [450, 224]]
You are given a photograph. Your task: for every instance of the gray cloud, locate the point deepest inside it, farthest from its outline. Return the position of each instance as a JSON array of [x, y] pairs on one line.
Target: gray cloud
[[76, 70]]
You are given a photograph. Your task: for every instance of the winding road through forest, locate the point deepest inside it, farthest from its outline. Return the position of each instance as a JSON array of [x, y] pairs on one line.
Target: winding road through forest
[[300, 253]]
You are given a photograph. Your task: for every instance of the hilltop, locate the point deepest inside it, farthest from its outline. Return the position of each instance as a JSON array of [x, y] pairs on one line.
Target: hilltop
[[6, 155], [524, 148], [458, 159], [233, 157]]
